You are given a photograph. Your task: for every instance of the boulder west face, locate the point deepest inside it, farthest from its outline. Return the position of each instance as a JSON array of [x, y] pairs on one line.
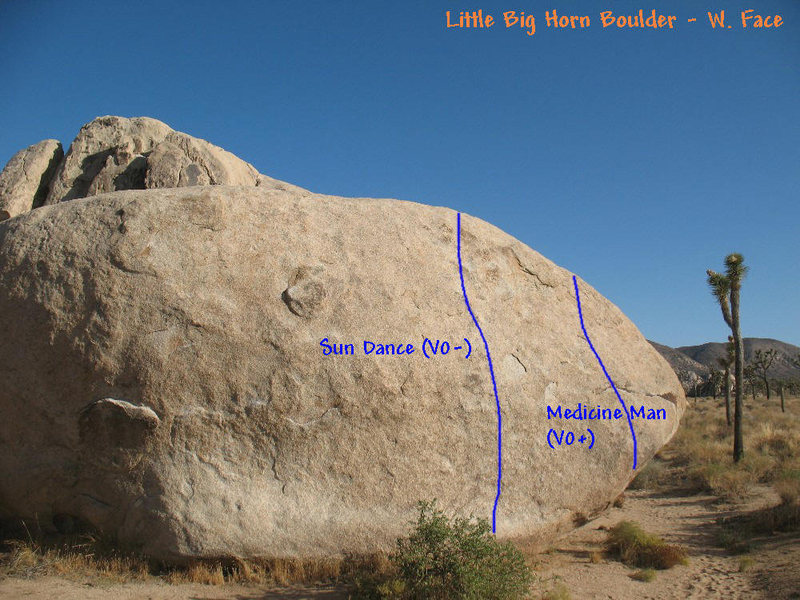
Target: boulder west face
[[164, 378]]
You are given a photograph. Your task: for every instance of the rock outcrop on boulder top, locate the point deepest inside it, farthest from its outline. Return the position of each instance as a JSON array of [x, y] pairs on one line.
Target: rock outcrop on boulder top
[[164, 379], [115, 153], [25, 181]]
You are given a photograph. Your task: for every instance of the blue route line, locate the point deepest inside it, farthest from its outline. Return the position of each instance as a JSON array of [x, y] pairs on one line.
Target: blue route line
[[494, 384], [602, 366]]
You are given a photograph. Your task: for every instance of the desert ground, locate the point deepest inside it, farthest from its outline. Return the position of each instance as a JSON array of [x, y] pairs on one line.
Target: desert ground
[[738, 524]]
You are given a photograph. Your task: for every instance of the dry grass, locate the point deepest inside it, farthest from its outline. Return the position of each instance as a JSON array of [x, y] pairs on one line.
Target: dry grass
[[277, 571], [198, 572], [745, 564], [739, 534], [88, 559], [645, 575], [650, 477], [28, 559], [558, 592], [636, 548], [702, 447]]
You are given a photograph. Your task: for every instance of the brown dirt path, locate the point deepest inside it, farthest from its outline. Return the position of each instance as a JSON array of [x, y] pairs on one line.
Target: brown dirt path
[[774, 570], [49, 588]]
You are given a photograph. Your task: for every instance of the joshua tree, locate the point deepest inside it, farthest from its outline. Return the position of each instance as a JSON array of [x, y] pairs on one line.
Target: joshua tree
[[726, 288], [751, 378], [792, 384], [762, 362], [715, 382], [782, 384], [726, 362]]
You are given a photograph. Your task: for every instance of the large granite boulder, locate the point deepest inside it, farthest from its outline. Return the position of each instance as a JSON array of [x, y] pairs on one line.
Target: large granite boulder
[[166, 375]]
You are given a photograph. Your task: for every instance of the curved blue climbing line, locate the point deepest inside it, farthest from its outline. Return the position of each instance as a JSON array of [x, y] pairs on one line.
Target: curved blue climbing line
[[602, 366], [494, 382]]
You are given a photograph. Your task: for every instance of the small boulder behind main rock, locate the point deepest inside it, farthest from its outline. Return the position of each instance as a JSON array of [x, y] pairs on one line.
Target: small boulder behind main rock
[[112, 154], [182, 160], [108, 154], [25, 181]]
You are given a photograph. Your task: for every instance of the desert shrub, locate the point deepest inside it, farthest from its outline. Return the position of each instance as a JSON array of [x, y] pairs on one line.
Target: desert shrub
[[456, 558], [646, 575], [636, 548], [777, 441], [761, 466], [726, 479], [729, 482]]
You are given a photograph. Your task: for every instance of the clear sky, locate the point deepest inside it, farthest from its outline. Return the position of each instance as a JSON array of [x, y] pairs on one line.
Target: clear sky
[[636, 158]]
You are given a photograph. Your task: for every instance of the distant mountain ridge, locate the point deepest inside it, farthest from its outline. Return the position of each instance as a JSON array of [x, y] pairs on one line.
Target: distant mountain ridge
[[688, 370], [707, 354], [693, 364]]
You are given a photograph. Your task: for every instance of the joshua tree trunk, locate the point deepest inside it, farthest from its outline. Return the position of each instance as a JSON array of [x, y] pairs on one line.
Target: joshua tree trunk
[[783, 400], [766, 387], [726, 288], [738, 359], [727, 385]]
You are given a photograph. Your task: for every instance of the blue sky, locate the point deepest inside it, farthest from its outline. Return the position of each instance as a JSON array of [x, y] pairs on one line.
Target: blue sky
[[635, 158]]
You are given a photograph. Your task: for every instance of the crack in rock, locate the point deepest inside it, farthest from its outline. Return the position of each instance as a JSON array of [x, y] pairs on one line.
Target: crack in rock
[[527, 271]]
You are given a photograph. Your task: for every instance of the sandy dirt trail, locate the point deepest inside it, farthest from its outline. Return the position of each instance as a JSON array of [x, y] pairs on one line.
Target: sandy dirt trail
[[690, 521]]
